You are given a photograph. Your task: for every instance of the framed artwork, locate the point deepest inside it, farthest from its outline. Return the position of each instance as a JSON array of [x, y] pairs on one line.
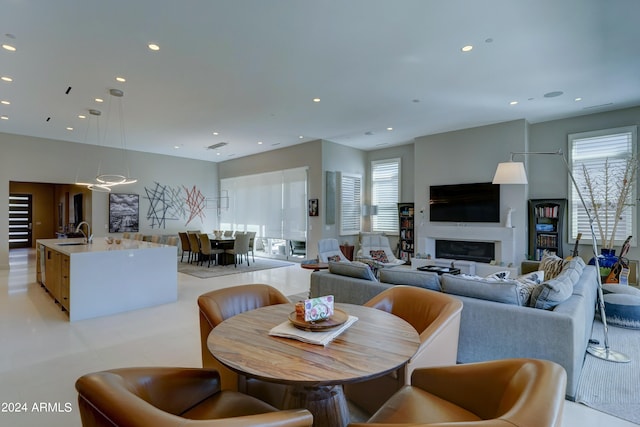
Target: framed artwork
[[313, 207], [124, 213]]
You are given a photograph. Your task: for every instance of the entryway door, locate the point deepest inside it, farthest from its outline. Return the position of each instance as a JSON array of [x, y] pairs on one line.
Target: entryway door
[[20, 214]]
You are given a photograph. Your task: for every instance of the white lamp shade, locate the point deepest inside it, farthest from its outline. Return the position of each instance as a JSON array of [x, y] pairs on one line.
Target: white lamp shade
[[510, 173]]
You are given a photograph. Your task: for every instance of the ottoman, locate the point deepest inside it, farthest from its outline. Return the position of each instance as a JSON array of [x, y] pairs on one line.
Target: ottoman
[[622, 305]]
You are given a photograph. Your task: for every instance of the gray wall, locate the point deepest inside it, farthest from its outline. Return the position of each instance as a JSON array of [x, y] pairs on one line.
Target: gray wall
[[49, 161], [548, 177]]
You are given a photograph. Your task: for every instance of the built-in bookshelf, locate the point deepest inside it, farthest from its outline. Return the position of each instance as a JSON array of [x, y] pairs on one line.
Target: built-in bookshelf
[[406, 221], [546, 222]]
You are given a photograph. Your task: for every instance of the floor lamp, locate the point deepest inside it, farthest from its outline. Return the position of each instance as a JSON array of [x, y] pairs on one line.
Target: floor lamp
[[513, 173]]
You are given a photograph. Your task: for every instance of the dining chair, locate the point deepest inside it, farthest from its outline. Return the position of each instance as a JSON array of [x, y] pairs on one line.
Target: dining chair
[[194, 243], [252, 243], [172, 241], [228, 233], [435, 316], [506, 392], [217, 306], [168, 396], [138, 236], [240, 248], [126, 235], [185, 246], [206, 250], [156, 238]]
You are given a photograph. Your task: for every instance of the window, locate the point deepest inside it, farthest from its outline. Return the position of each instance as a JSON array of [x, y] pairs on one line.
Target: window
[[592, 151], [385, 191], [350, 203], [273, 204]]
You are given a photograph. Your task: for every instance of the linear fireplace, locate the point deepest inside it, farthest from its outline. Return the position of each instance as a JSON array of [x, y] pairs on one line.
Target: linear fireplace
[[466, 250]]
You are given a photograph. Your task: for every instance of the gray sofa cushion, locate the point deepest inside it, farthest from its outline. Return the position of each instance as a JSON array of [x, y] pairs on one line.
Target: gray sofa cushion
[[552, 292], [505, 291], [355, 269], [405, 276]]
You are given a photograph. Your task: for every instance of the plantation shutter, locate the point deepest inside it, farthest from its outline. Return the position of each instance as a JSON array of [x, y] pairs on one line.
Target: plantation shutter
[[385, 189], [597, 151], [350, 204]]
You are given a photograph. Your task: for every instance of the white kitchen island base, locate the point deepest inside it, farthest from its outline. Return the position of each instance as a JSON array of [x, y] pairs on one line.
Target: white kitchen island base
[[105, 279]]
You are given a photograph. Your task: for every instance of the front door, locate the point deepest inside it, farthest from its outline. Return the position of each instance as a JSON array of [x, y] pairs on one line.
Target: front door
[[20, 214]]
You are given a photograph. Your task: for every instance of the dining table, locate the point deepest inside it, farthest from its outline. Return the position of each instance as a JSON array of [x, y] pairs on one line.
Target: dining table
[[376, 344], [222, 242]]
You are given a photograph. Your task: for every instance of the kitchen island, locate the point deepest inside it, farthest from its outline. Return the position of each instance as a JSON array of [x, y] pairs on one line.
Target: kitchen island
[[99, 279]]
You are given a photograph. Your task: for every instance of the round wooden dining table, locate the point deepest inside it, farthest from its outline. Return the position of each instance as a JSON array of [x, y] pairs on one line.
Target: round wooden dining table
[[376, 344]]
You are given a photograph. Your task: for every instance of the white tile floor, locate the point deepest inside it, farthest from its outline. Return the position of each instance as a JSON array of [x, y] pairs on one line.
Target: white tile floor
[[42, 353]]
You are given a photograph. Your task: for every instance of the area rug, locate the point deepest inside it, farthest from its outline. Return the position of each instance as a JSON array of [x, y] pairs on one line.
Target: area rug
[[610, 387], [204, 272]]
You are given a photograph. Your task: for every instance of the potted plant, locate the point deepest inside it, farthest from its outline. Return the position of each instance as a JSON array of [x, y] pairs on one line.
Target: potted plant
[[610, 192]]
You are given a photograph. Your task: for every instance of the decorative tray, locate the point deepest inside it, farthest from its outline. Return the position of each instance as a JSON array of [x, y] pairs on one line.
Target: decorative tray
[[338, 318]]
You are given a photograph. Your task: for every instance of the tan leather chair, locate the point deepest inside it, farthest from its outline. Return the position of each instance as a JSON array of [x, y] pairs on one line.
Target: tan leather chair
[[508, 392], [221, 304], [164, 397], [436, 317]]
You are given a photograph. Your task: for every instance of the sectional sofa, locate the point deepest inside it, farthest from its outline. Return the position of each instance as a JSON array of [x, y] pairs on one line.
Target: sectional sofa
[[501, 318]]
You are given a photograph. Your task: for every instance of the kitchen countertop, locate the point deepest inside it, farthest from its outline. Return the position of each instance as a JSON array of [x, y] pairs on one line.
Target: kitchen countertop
[[98, 245]]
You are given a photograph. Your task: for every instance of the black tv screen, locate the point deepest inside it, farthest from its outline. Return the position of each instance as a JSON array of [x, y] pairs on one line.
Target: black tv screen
[[477, 202]]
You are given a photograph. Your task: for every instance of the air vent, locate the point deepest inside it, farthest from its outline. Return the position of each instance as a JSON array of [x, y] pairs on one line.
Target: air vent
[[216, 146]]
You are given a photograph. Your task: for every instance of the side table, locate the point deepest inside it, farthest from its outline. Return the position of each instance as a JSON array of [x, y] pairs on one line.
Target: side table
[[347, 250]]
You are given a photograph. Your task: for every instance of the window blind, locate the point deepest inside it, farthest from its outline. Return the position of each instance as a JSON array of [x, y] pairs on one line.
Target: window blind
[[385, 190], [350, 203], [598, 152], [273, 204]]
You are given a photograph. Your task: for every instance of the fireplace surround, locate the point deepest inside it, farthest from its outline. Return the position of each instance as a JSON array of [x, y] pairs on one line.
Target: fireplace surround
[[478, 251]]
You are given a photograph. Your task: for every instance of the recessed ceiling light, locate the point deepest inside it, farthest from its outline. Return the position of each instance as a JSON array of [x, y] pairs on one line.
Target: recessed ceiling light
[[82, 116], [9, 47], [578, 99], [301, 136], [513, 103], [218, 153], [99, 100], [467, 48], [4, 117], [389, 128], [5, 102], [121, 79], [259, 142], [69, 128], [216, 133], [316, 99], [6, 78], [154, 46], [177, 147]]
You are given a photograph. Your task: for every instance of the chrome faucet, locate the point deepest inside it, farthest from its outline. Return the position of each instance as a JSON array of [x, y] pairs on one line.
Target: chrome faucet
[[88, 238]]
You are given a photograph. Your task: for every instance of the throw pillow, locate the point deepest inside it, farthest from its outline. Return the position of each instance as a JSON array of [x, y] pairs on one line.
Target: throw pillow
[[499, 275], [527, 283], [552, 265], [333, 258], [379, 255], [355, 269], [555, 291]]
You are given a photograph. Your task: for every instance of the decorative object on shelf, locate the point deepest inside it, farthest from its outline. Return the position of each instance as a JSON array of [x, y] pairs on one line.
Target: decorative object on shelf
[[610, 191], [313, 207], [507, 222], [514, 173]]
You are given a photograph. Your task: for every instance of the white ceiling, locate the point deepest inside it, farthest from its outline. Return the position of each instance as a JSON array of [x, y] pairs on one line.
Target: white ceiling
[[249, 69]]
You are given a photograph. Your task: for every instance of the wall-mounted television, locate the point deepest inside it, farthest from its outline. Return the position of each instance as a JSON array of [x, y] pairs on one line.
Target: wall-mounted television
[[476, 202]]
